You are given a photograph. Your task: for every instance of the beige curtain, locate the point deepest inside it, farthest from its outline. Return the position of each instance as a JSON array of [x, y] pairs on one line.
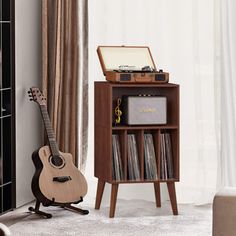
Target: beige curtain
[[65, 73]]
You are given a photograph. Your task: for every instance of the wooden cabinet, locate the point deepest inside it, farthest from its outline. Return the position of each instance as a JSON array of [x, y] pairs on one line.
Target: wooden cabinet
[[106, 95], [7, 143]]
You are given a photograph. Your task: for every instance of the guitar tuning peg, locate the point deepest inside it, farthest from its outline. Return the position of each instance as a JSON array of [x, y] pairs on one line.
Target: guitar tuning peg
[[29, 92], [31, 99]]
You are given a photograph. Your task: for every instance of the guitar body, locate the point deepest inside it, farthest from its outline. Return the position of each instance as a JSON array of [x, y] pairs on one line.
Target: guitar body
[[56, 185]]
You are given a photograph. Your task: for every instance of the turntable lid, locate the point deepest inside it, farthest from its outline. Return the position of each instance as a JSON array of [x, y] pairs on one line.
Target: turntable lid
[[114, 57]]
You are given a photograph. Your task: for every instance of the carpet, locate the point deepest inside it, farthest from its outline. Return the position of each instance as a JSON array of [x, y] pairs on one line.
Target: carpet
[[133, 218]]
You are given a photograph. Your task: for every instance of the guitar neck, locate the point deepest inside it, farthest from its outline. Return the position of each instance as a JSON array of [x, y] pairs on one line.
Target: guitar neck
[[50, 134]]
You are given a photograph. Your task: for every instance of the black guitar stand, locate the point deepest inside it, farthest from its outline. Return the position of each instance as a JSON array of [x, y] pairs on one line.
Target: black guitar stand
[[52, 203], [38, 212]]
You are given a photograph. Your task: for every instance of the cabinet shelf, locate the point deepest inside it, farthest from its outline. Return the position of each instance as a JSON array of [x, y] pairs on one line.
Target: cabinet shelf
[[106, 95], [142, 85], [147, 127], [143, 181]]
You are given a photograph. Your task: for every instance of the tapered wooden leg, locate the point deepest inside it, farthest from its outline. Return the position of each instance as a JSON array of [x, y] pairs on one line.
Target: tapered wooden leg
[[100, 189], [114, 190], [172, 194], [157, 194]]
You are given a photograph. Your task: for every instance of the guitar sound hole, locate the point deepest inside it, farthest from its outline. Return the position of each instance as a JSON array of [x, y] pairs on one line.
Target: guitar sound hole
[[57, 161]]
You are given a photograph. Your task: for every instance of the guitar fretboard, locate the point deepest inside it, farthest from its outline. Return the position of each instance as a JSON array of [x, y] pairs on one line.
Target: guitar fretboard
[[50, 133]]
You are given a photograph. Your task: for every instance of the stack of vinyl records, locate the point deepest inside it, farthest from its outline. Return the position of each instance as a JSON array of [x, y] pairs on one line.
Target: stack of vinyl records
[[117, 171], [150, 158], [167, 171], [133, 161]]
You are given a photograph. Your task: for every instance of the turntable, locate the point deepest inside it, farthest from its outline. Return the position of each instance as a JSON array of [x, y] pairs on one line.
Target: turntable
[[130, 64]]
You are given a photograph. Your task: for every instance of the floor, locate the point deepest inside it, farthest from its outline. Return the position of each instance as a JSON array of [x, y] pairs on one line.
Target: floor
[[133, 218]]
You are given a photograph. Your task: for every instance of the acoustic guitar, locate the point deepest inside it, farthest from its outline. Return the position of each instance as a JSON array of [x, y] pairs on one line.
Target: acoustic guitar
[[56, 181]]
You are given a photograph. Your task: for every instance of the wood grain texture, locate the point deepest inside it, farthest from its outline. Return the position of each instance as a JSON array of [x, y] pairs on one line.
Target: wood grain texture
[[114, 191], [157, 146], [45, 189], [100, 189], [157, 192], [172, 194], [103, 132], [123, 142], [106, 95], [140, 144]]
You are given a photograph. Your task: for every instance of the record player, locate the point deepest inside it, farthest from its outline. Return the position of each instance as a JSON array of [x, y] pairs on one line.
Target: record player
[[130, 64]]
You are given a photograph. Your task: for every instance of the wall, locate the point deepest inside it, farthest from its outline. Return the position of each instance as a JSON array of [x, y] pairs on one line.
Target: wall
[[28, 73]]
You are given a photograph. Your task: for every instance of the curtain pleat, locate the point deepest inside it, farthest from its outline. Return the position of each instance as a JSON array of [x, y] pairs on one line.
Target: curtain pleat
[[62, 81], [228, 92], [82, 9]]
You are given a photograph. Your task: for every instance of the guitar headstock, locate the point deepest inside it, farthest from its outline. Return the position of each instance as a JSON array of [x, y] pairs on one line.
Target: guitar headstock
[[36, 95]]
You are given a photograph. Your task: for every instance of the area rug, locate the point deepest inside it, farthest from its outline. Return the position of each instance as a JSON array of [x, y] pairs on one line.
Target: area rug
[[133, 218]]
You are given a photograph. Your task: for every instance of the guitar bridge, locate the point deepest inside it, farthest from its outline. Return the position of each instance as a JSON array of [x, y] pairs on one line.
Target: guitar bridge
[[61, 179]]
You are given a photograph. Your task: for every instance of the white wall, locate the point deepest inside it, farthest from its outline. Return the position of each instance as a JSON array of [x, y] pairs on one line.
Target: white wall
[[28, 73]]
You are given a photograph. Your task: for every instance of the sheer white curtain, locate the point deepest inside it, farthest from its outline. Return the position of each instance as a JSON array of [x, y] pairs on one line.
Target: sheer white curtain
[[228, 90], [181, 37], [200, 117]]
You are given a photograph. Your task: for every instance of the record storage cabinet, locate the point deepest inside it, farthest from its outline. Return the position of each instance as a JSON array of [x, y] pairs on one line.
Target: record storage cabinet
[[106, 95]]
